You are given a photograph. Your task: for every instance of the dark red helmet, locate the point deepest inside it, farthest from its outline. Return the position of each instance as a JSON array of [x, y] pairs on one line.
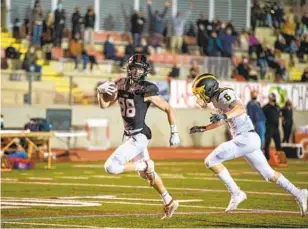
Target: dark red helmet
[[138, 61]]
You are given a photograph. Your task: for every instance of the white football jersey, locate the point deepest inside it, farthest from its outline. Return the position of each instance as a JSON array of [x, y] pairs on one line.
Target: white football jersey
[[222, 102]]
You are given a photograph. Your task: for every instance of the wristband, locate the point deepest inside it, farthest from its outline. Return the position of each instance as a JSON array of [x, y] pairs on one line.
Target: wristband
[[173, 129]]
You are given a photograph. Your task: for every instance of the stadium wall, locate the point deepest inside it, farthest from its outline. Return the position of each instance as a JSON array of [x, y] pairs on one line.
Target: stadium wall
[[156, 119]]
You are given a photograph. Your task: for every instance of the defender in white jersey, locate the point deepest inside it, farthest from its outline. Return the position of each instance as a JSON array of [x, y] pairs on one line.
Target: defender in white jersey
[[246, 142]]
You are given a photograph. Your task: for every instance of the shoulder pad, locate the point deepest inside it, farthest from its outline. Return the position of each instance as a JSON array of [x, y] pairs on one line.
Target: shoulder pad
[[147, 88]]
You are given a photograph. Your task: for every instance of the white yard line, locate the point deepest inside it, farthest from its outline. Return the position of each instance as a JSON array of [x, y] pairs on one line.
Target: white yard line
[[9, 207], [140, 187], [39, 178], [73, 178], [254, 211], [51, 224], [210, 178], [107, 197]]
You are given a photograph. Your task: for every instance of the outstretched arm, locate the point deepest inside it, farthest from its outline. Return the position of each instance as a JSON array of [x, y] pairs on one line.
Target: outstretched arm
[[197, 129], [164, 106]]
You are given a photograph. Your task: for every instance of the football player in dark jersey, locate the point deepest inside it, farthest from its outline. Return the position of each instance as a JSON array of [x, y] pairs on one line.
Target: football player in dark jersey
[[134, 95]]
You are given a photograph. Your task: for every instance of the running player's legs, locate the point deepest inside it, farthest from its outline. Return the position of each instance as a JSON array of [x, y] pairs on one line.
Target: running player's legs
[[118, 161], [258, 161], [157, 183], [237, 147]]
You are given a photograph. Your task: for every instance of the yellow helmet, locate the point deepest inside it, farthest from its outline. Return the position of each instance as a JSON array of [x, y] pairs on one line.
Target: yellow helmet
[[204, 87]]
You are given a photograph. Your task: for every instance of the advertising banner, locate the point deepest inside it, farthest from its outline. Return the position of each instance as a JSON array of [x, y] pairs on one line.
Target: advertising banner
[[181, 95]]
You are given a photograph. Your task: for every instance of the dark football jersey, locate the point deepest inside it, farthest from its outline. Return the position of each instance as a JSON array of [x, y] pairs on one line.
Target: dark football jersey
[[133, 107]]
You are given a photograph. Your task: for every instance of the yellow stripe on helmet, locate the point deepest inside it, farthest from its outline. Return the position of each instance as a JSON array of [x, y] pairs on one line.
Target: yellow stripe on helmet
[[200, 91], [203, 76]]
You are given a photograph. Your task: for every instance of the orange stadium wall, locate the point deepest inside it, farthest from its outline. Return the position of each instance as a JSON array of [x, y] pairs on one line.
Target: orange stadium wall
[[156, 119]]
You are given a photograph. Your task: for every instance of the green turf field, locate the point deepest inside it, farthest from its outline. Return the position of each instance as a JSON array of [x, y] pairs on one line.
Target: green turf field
[[83, 195]]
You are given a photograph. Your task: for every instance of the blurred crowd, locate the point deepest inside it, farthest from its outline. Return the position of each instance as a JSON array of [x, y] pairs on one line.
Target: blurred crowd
[[214, 38]]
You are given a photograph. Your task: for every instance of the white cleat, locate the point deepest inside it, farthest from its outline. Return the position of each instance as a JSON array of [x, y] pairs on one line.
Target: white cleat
[[302, 201], [170, 209], [236, 199], [150, 171]]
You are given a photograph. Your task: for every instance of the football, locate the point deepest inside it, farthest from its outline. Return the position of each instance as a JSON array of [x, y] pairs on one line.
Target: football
[[107, 97]]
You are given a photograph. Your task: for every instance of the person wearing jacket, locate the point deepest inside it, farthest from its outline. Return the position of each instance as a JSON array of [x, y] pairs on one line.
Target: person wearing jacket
[[89, 22], [157, 23], [255, 112]]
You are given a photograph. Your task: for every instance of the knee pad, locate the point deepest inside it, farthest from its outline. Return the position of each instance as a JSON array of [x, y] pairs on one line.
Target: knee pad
[[210, 161], [113, 166]]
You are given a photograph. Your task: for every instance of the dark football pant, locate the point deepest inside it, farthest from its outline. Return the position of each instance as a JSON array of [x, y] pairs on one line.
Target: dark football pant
[[287, 130], [271, 132]]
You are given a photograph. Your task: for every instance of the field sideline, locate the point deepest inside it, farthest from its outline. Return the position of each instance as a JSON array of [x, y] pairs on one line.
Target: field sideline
[[83, 195]]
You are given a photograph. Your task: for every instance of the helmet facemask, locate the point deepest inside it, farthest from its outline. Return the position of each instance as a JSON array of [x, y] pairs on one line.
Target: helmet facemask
[[202, 98], [136, 72]]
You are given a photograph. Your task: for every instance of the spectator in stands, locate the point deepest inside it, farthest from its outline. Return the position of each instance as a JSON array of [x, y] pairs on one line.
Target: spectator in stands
[[109, 23], [89, 23], [157, 24], [227, 40], [263, 64], [214, 47], [194, 70], [47, 36], [144, 48], [303, 49], [137, 26], [305, 75], [281, 73], [254, 45], [203, 24], [16, 30], [76, 52], [27, 19], [127, 18], [12, 55], [30, 65], [280, 44], [130, 50], [243, 40], [77, 21], [304, 19], [110, 50], [287, 120], [179, 22], [244, 69], [288, 30], [59, 24], [174, 73], [256, 115], [38, 17]]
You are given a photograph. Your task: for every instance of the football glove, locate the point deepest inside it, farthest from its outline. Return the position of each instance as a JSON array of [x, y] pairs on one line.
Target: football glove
[[197, 129], [174, 139], [107, 87], [217, 117]]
